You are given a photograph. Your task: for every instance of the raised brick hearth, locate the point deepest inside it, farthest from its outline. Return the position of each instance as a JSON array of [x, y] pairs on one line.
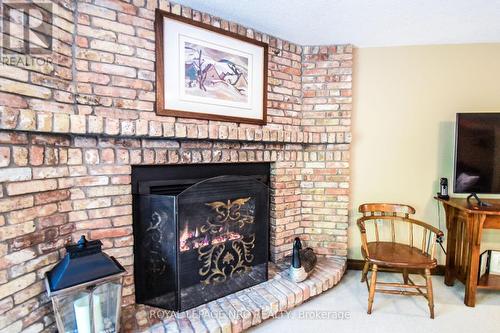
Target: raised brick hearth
[[239, 311], [71, 129]]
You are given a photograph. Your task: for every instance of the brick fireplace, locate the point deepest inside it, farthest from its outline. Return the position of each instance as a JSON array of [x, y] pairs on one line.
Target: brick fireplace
[[72, 128]]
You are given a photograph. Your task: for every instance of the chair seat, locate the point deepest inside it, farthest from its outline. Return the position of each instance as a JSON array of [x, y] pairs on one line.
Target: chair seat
[[391, 254]]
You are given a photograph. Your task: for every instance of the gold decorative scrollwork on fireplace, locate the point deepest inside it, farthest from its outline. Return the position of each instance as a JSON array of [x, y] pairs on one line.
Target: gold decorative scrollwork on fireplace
[[233, 256], [229, 213], [220, 262]]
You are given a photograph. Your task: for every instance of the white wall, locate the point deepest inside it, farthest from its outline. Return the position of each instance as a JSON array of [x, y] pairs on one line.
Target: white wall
[[405, 102]]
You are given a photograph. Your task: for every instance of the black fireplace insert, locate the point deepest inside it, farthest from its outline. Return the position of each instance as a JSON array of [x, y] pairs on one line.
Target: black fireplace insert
[[200, 231]]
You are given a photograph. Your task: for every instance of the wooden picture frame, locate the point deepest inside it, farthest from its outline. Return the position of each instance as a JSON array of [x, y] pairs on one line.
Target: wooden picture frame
[[205, 72], [489, 263]]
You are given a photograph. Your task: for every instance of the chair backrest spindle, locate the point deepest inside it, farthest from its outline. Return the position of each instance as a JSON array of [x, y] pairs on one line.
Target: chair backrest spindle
[[410, 227], [424, 239], [393, 230], [433, 248]]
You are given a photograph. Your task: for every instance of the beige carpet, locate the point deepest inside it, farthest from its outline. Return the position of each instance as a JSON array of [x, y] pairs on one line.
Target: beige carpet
[[390, 313]]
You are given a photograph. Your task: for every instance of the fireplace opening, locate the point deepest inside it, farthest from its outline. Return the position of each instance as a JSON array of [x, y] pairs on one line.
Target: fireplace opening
[[200, 231]]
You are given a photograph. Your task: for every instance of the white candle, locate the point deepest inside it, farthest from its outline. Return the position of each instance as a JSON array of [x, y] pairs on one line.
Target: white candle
[[82, 313], [98, 322]]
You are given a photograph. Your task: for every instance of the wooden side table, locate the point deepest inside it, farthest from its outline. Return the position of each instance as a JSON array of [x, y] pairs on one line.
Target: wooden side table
[[465, 226]]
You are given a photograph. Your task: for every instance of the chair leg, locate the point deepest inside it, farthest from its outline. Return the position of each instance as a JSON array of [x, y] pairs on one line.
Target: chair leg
[[373, 284], [365, 271], [430, 296], [405, 275]]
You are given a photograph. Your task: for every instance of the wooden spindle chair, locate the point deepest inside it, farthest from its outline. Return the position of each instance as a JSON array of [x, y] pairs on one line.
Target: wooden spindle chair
[[416, 250]]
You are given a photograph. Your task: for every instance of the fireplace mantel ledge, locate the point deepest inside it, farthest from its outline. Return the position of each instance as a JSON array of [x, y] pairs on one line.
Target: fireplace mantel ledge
[[241, 310], [59, 123]]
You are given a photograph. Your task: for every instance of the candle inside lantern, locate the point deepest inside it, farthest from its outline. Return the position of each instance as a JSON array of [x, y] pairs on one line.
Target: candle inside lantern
[[98, 322], [82, 314]]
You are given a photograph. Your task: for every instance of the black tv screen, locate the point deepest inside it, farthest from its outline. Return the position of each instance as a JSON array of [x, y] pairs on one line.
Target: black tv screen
[[477, 153]]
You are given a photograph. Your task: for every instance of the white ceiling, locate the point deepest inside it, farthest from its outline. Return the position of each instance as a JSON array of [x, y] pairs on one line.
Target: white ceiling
[[364, 23]]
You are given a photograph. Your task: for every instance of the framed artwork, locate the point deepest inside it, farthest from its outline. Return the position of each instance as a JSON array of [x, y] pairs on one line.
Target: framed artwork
[[489, 263], [206, 72]]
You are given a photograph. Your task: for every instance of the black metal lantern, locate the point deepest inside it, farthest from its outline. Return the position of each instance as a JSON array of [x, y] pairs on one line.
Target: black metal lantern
[[85, 288]]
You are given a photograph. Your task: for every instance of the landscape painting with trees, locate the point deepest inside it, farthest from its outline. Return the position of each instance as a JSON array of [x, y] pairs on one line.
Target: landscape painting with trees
[[215, 74], [206, 72]]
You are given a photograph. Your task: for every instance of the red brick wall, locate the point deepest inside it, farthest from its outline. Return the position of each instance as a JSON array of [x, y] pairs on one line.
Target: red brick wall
[[70, 131], [326, 111]]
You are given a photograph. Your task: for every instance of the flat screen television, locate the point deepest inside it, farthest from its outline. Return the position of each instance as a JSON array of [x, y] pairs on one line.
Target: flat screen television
[[477, 153]]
